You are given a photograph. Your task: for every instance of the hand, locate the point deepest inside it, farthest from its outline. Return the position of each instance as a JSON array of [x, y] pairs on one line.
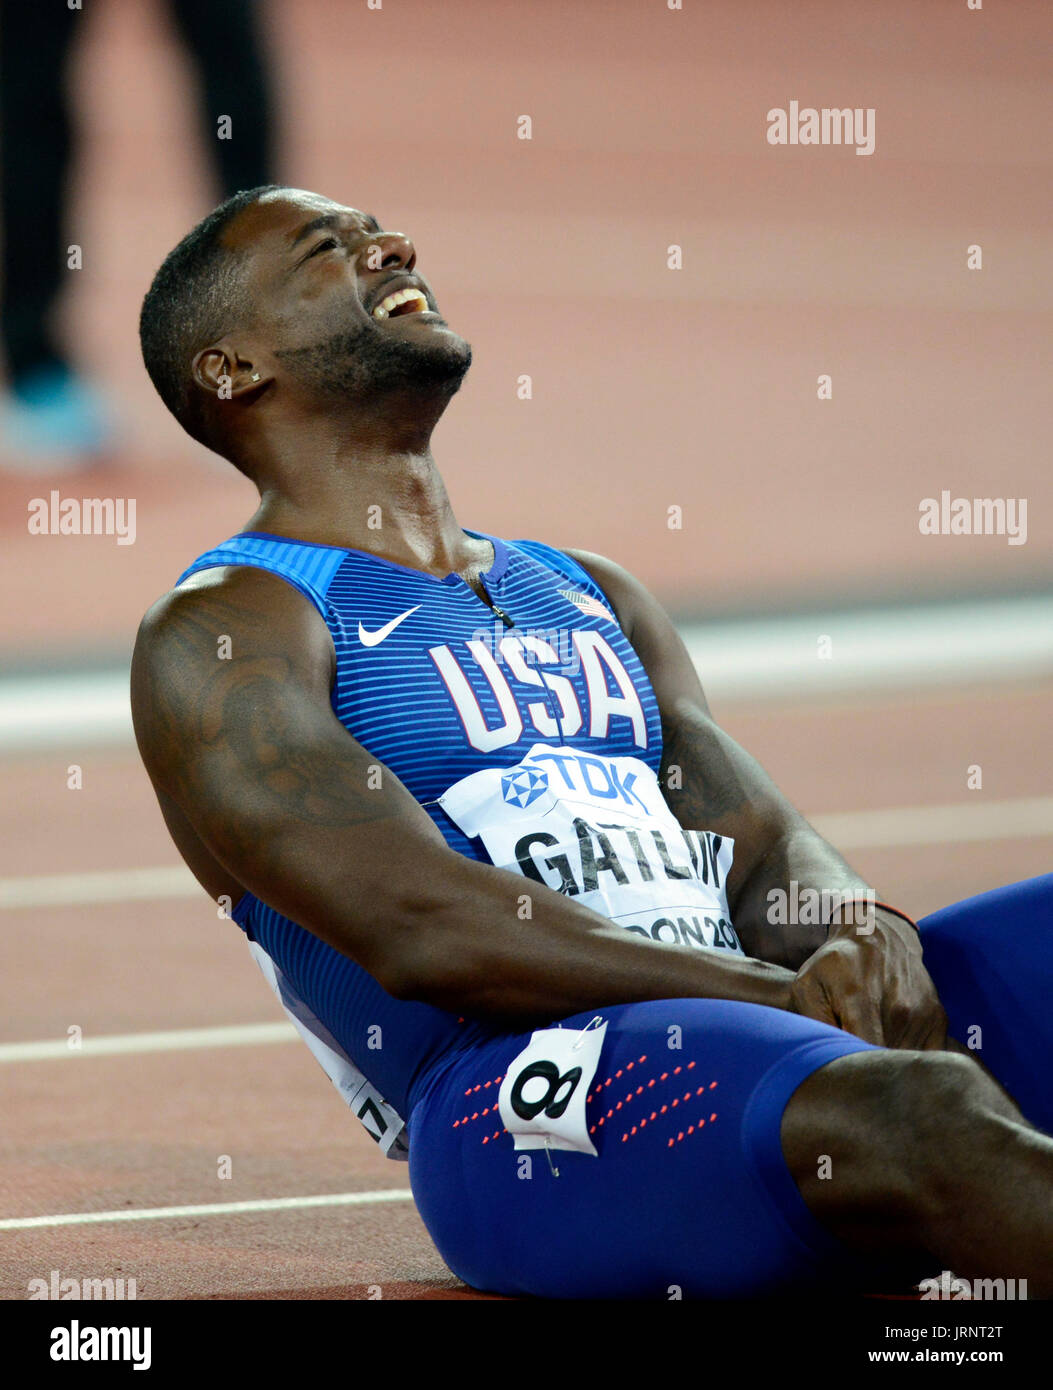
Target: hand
[[871, 982]]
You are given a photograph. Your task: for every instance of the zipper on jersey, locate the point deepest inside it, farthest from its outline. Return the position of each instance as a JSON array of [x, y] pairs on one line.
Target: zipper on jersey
[[551, 703], [549, 697]]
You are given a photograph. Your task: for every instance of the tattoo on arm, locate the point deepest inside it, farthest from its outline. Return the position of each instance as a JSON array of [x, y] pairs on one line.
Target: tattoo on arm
[[700, 782], [250, 715], [259, 725]]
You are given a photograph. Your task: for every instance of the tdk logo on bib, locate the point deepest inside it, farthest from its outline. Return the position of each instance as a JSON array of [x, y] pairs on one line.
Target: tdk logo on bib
[[523, 786]]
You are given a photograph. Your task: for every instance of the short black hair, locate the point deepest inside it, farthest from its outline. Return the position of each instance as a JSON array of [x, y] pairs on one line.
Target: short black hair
[[191, 302]]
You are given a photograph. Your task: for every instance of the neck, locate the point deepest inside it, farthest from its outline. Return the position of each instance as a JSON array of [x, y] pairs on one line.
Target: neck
[[361, 485]]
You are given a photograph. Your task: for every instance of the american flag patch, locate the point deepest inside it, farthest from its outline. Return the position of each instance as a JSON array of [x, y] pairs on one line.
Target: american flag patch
[[592, 606]]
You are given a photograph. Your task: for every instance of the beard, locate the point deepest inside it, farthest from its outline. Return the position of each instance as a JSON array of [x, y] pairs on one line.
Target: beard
[[364, 362]]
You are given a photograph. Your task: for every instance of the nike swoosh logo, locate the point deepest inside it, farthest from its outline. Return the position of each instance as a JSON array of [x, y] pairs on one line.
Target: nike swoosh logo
[[373, 639]]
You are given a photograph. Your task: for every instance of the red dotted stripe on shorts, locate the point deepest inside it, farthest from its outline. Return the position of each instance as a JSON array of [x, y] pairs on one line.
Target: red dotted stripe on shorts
[[487, 1110], [687, 1098], [666, 1108], [636, 1092]]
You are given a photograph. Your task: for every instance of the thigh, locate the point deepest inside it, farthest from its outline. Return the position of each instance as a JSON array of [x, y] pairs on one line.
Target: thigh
[[991, 959], [690, 1190]]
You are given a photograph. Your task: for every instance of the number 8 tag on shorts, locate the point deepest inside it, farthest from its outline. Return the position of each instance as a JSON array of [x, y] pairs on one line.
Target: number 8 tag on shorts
[[542, 1098]]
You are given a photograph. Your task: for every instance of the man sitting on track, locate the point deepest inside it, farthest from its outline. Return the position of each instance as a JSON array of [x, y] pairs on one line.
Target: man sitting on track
[[457, 788]]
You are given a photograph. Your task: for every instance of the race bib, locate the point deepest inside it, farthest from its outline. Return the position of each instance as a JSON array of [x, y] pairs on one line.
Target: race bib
[[542, 1098], [599, 830]]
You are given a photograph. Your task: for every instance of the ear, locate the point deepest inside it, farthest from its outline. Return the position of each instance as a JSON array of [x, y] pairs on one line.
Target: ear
[[224, 374]]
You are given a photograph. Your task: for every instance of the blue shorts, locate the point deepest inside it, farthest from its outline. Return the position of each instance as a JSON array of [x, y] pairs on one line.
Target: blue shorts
[[991, 959], [690, 1188], [690, 1194]]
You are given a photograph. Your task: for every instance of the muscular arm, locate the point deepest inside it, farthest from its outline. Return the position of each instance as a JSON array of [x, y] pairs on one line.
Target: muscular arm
[[711, 783], [249, 750], [874, 983]]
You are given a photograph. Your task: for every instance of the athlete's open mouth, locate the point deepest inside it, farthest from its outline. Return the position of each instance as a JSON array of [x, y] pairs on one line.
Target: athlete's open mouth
[[407, 301]]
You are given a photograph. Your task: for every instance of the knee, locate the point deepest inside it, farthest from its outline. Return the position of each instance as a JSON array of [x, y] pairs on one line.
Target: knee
[[888, 1087], [936, 1081], [867, 1140], [924, 1114], [920, 1099], [940, 1093], [882, 1116]]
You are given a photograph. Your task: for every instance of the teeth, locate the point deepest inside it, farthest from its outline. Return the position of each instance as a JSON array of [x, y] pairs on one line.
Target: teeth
[[392, 301]]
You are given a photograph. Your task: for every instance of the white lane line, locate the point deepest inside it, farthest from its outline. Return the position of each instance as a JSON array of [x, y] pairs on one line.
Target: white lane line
[[931, 646], [85, 1218], [1012, 819], [1008, 819], [87, 709], [100, 886], [173, 1040], [912, 647]]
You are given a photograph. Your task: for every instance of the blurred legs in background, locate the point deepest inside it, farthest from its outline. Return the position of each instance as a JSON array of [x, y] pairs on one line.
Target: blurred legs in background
[[234, 79], [52, 418]]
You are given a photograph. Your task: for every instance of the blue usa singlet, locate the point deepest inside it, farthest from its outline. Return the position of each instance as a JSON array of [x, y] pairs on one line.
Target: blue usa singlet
[[438, 686]]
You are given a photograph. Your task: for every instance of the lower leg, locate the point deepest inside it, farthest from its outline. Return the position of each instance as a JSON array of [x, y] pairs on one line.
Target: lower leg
[[233, 63], [908, 1155], [37, 136]]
